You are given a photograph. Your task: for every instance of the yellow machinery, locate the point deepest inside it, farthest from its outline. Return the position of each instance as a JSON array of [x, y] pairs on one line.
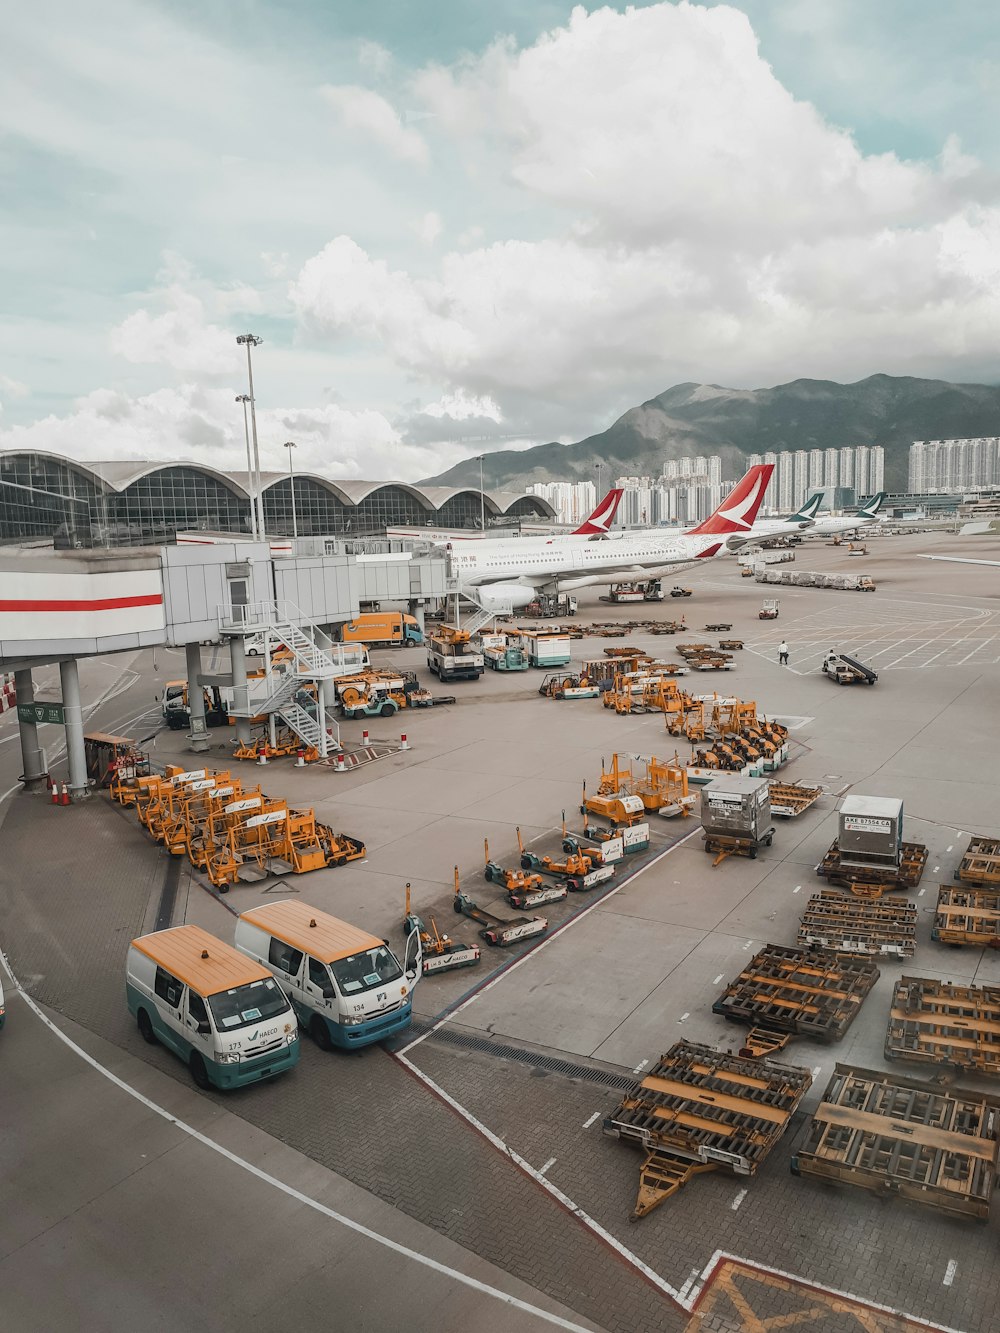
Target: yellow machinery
[[663, 786], [114, 762], [576, 863], [514, 881]]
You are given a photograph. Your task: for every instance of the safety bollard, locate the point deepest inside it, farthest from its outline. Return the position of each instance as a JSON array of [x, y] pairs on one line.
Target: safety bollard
[[364, 738], [404, 744], [262, 757], [300, 758], [340, 766]]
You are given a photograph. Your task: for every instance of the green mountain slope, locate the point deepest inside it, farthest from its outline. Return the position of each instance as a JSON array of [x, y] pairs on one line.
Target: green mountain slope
[[692, 419]]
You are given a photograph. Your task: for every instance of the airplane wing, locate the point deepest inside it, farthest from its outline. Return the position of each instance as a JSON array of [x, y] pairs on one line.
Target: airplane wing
[[959, 559]]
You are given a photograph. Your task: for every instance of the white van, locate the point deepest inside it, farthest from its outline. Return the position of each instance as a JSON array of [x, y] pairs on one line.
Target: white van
[[346, 985], [227, 1019]]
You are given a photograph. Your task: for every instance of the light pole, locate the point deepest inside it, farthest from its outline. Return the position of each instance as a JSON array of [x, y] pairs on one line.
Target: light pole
[[290, 445], [250, 340], [244, 398], [599, 469], [482, 496]]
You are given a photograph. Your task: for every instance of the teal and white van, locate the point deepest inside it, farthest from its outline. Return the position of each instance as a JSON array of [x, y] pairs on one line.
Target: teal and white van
[[226, 1017], [347, 986]]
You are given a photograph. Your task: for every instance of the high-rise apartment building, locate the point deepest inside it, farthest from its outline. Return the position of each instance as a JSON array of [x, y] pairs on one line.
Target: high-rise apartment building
[[572, 500], [798, 472], [954, 465]]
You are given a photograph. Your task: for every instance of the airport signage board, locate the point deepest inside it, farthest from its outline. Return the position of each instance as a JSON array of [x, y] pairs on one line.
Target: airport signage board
[[38, 713]]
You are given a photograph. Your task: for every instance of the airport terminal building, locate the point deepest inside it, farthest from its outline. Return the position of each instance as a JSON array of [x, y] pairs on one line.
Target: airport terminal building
[[74, 504]]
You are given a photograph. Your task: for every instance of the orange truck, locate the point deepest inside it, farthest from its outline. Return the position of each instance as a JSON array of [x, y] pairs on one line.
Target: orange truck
[[379, 628]]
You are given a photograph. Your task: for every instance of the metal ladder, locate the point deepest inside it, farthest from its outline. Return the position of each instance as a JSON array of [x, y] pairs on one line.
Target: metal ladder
[[483, 616], [316, 657]]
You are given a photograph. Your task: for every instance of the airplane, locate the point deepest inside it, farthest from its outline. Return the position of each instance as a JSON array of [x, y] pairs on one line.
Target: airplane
[[799, 524], [826, 527], [595, 524], [512, 574], [959, 559]]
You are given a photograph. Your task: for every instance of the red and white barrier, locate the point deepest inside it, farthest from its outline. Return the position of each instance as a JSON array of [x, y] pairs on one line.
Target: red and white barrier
[[7, 696]]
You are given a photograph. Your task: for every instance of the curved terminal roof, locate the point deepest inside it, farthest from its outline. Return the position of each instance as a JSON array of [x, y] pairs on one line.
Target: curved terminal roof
[[118, 474]]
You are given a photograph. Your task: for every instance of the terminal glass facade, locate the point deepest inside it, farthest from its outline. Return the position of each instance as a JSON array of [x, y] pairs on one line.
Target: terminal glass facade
[[389, 506], [465, 511], [43, 497], [156, 506], [318, 512]]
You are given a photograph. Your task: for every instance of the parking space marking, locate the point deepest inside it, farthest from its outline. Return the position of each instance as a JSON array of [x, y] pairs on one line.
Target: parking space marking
[[738, 1200], [683, 1017], [587, 1123], [718, 978], [640, 1067], [949, 1273], [542, 1169]]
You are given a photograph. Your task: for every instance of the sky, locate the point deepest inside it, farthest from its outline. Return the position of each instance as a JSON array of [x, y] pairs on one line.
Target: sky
[[462, 227]]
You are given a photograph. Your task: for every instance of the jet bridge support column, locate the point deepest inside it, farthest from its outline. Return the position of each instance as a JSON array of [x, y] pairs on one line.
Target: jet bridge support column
[[417, 611], [73, 712], [33, 773], [241, 698], [198, 735]]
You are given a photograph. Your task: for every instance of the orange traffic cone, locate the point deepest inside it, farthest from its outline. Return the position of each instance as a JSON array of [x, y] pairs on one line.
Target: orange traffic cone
[[54, 789], [65, 795]]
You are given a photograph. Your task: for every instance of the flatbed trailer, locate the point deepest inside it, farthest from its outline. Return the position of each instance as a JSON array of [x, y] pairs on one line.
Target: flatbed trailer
[[698, 1110], [735, 844], [939, 1023], [886, 927], [967, 916], [789, 799], [785, 992], [896, 1135], [872, 881], [980, 863]]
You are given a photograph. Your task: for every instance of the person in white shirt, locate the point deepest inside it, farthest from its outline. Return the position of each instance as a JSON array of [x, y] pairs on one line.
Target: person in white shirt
[[782, 653]]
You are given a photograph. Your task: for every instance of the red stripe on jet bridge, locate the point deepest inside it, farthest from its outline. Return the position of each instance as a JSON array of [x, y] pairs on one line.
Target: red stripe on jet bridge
[[83, 604]]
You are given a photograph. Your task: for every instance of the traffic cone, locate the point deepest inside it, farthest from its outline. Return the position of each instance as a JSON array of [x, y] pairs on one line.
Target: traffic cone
[[404, 744], [64, 799], [54, 790]]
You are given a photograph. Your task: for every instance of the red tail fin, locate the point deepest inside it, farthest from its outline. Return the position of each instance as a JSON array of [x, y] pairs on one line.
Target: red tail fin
[[739, 509], [602, 517]]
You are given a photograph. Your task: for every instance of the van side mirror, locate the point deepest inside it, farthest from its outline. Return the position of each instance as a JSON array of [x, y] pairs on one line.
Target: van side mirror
[[328, 992], [411, 974], [204, 1027]]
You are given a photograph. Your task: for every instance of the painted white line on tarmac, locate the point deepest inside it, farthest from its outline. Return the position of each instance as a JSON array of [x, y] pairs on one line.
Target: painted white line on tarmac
[[543, 1169], [816, 1070], [587, 1123], [797, 888], [949, 1273], [549, 939], [738, 1200], [683, 1017], [484, 1288], [921, 892], [590, 1223], [949, 847], [640, 1067], [718, 978]]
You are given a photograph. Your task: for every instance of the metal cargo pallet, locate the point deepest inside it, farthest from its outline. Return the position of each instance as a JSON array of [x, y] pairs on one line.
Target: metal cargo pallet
[[895, 1135], [936, 1022], [855, 926], [967, 916], [980, 863], [784, 992], [789, 799], [698, 1110], [873, 881]]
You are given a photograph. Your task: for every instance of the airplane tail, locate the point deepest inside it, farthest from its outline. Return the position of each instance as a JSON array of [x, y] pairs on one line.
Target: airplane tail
[[603, 516], [871, 509], [739, 509], [808, 512]]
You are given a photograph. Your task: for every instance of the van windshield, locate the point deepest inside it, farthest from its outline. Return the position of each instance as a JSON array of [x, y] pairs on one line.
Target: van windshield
[[364, 971], [175, 691], [237, 1008]]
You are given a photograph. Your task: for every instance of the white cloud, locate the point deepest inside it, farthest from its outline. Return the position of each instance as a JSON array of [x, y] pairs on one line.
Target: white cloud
[[370, 114], [461, 406], [429, 228], [178, 338], [13, 388]]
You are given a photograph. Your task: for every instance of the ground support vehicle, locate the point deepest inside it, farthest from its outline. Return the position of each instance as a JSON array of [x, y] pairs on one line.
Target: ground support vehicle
[[883, 928], [618, 809], [662, 787], [383, 629], [939, 1023], [545, 647], [573, 686], [579, 871], [718, 627], [680, 592], [801, 578], [549, 605], [790, 799], [731, 645], [668, 627], [649, 591], [176, 709], [450, 655], [497, 930], [873, 881], [698, 1110], [591, 839], [438, 953], [115, 762], [848, 670], [225, 1016], [895, 1135], [786, 992], [501, 652], [736, 817], [518, 880], [346, 985], [967, 916], [769, 607], [980, 863]]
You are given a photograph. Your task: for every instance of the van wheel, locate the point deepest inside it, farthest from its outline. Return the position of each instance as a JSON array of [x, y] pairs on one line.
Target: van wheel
[[199, 1073], [320, 1033], [145, 1026]]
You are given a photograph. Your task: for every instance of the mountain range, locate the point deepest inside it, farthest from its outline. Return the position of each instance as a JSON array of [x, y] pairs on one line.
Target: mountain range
[[692, 419]]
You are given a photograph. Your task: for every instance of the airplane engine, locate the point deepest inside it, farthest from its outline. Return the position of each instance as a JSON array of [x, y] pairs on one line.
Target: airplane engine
[[498, 596]]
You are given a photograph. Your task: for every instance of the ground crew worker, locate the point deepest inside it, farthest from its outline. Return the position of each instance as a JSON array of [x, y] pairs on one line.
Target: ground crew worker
[[782, 653]]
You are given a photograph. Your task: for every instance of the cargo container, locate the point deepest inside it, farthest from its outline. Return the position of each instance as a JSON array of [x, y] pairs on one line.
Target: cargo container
[[546, 648], [737, 806], [807, 579], [380, 628], [870, 831]]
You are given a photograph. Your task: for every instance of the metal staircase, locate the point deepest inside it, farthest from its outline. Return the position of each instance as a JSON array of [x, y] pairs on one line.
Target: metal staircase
[[316, 656], [482, 616]]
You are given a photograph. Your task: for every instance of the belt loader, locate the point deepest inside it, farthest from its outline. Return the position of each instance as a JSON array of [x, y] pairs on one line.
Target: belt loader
[[523, 889], [496, 930], [438, 953]]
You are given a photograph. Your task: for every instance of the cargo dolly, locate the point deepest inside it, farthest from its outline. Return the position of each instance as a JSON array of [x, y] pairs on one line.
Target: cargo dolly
[[785, 992], [887, 927], [874, 880], [789, 799], [938, 1023], [438, 953], [731, 645], [967, 916], [898, 1136], [980, 863], [500, 931], [699, 1110], [718, 627]]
